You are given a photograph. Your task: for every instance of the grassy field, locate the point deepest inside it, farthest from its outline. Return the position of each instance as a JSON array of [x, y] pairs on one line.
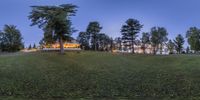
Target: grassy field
[[90, 75]]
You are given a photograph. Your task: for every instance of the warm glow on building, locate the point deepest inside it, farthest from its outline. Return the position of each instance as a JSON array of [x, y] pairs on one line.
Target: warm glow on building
[[56, 46], [66, 45]]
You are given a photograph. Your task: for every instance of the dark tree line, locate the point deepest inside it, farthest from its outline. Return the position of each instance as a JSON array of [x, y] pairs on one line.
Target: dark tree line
[[11, 39], [145, 40], [32, 47], [157, 37], [55, 21], [93, 39]]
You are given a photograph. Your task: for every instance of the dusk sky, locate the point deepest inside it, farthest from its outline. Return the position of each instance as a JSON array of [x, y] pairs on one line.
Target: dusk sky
[[175, 15]]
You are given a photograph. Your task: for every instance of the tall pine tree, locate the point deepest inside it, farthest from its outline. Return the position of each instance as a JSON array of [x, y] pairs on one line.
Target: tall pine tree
[[129, 32], [179, 41], [93, 30]]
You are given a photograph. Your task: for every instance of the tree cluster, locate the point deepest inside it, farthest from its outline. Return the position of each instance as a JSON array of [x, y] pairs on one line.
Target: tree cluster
[[193, 36], [11, 39], [32, 47], [157, 38], [92, 39], [56, 24]]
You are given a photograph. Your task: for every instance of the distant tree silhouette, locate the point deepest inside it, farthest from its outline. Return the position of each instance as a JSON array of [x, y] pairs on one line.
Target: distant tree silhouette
[[145, 40], [171, 46], [158, 38], [118, 42], [34, 46], [11, 39], [179, 41], [30, 47], [188, 50], [112, 46], [83, 39], [103, 42], [129, 32], [93, 30], [193, 37]]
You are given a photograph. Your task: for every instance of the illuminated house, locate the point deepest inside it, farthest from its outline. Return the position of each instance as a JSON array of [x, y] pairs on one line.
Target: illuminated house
[[56, 46], [126, 48], [149, 49]]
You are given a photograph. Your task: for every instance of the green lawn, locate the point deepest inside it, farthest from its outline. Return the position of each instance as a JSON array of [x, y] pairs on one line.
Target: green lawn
[[90, 75]]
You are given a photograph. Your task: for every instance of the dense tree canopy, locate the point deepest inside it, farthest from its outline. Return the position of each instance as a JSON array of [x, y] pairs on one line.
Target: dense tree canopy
[[171, 46], [11, 39], [179, 41], [103, 42], [54, 20], [93, 29], [158, 38], [145, 40], [193, 36], [83, 39], [118, 43]]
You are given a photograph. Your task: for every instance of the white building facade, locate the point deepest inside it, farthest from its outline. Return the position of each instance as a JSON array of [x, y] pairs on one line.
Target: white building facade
[[149, 49]]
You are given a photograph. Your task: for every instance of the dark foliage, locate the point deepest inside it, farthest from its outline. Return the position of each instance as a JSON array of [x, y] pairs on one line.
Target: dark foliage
[[11, 39]]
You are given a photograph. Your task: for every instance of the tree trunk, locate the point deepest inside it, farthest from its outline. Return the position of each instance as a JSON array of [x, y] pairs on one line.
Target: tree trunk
[[95, 44], [61, 46], [111, 46], [133, 49], [144, 49], [154, 50], [120, 46], [161, 49]]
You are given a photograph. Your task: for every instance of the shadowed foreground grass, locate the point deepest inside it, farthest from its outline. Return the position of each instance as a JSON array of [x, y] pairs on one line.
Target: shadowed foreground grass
[[99, 75]]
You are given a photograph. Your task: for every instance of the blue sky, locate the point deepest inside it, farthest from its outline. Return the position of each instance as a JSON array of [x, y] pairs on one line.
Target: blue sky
[[175, 15]]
